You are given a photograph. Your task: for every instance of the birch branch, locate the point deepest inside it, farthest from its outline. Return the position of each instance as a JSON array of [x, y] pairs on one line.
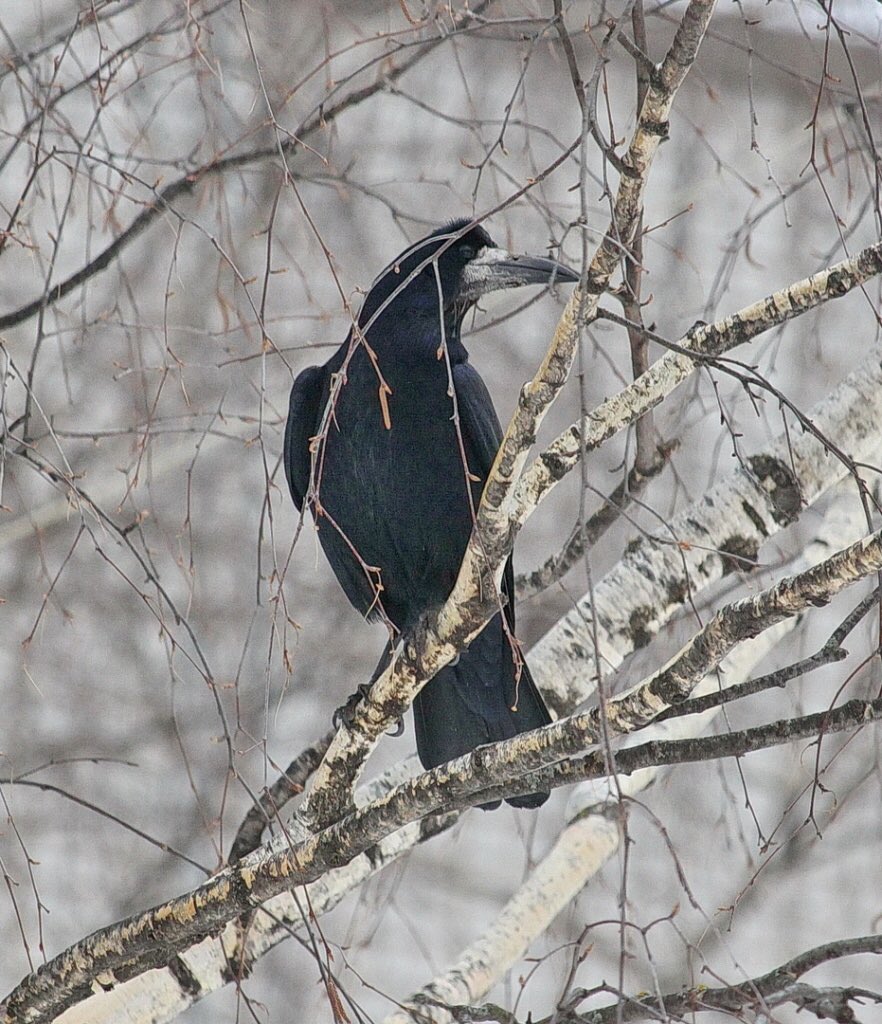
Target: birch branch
[[757, 995], [473, 599], [530, 760], [706, 340], [219, 959], [661, 570]]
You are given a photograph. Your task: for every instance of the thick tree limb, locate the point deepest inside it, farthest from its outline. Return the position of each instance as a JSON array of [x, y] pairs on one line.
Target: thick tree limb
[[661, 571], [202, 966]]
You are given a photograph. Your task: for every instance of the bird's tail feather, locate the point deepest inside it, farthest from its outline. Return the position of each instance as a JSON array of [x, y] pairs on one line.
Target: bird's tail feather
[[471, 702]]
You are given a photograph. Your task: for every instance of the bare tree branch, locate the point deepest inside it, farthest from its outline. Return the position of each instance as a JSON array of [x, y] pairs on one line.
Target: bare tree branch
[[186, 184], [758, 995], [739, 515], [663, 377]]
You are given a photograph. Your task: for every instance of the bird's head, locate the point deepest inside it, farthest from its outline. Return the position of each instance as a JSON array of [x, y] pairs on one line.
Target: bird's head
[[449, 270]]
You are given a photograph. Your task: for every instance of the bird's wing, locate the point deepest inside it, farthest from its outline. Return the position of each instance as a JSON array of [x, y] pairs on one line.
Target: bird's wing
[[481, 430], [304, 409], [481, 434]]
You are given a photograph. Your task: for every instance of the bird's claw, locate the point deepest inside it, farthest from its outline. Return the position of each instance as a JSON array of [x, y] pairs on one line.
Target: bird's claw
[[345, 715]]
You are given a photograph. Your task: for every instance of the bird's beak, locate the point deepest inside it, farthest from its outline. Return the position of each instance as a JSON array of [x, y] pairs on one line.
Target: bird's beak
[[493, 269]]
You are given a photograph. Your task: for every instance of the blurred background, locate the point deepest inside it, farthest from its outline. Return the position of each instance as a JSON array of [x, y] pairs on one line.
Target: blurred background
[[164, 646]]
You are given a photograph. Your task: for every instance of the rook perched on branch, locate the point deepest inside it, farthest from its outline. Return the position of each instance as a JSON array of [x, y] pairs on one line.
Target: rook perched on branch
[[389, 444]]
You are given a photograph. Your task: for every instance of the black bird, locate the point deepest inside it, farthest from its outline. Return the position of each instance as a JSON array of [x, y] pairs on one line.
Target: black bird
[[392, 481]]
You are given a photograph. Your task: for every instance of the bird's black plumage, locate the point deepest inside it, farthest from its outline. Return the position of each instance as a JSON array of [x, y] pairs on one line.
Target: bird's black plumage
[[390, 443]]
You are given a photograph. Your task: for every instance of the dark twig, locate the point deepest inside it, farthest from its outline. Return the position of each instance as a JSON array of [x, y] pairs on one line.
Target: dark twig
[[647, 459], [48, 787]]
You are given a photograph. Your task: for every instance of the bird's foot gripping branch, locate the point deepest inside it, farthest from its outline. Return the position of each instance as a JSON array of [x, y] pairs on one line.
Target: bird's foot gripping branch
[[419, 656]]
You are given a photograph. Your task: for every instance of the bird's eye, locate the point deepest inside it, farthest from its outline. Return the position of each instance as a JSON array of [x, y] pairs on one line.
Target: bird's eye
[[468, 252]]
